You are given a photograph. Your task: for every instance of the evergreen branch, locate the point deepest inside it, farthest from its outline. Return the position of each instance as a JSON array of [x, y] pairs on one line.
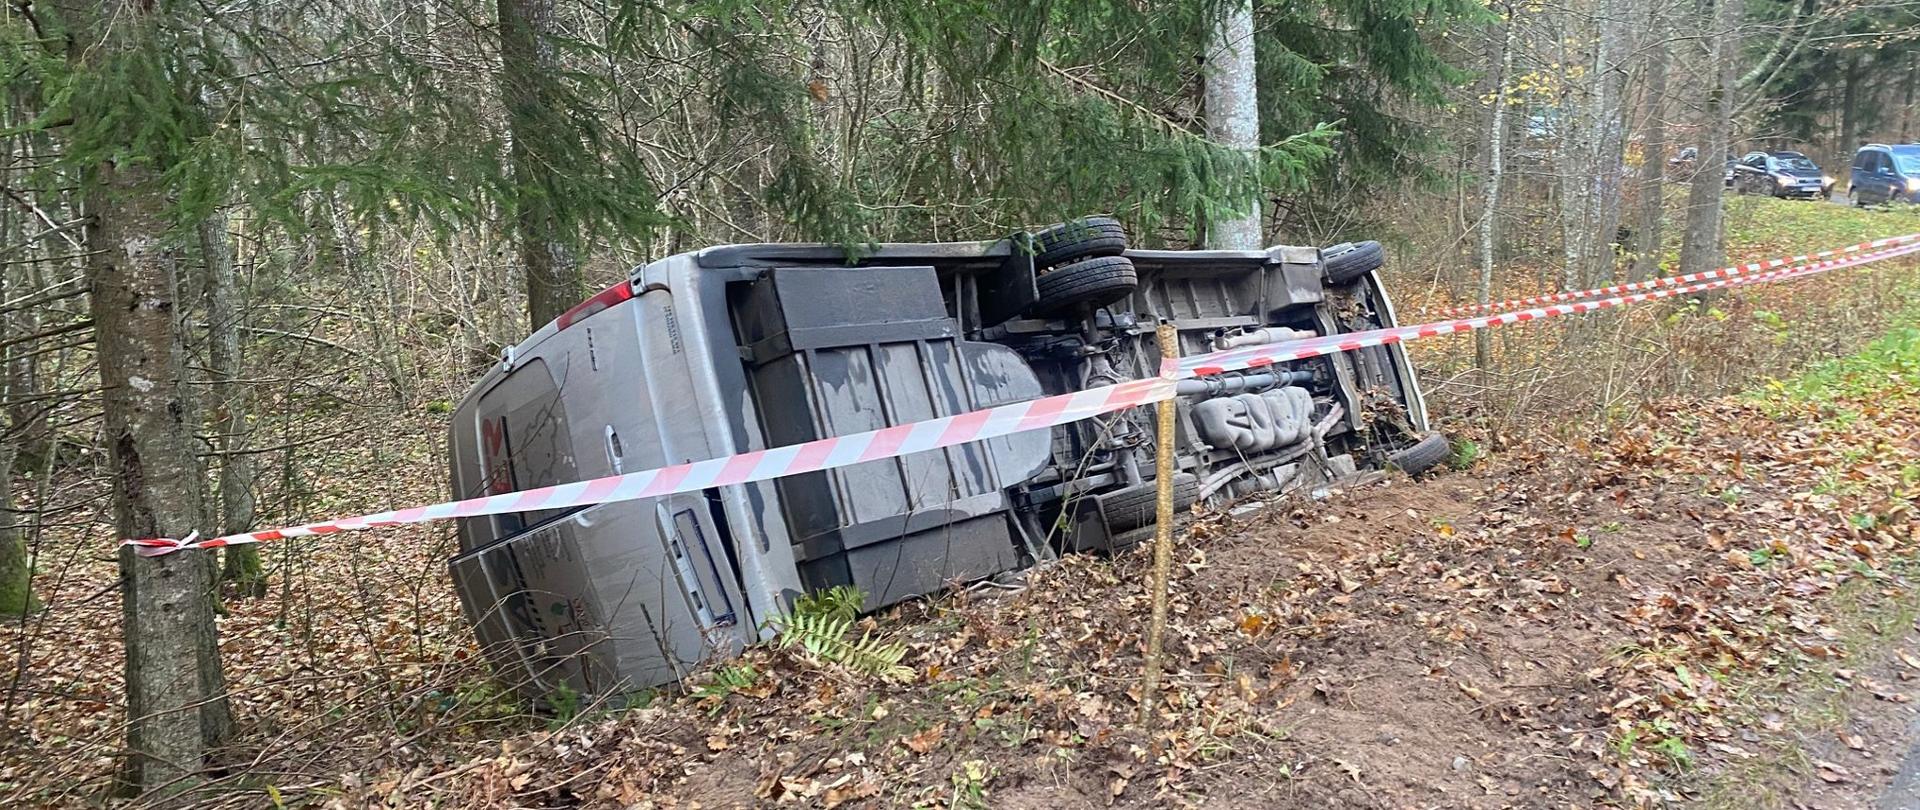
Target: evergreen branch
[[1116, 98]]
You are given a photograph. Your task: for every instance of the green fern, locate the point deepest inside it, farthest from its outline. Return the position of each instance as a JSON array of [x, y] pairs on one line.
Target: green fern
[[839, 601], [726, 681], [820, 630]]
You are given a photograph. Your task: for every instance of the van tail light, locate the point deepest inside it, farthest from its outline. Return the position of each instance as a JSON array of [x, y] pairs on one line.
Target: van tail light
[[604, 299]]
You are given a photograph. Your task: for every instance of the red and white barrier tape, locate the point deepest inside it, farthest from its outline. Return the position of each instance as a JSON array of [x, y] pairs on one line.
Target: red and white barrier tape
[[1264, 355], [1670, 281], [758, 465], [946, 431]]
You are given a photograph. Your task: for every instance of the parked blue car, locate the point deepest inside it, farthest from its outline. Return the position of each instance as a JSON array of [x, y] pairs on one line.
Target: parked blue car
[[1883, 173]]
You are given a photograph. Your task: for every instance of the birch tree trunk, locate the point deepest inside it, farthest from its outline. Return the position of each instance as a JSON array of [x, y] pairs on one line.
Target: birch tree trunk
[[231, 407], [1490, 191], [1231, 102], [176, 699], [528, 61], [1648, 233], [1700, 248]]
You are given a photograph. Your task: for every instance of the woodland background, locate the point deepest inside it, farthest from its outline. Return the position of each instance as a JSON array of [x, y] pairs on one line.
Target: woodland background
[[251, 251]]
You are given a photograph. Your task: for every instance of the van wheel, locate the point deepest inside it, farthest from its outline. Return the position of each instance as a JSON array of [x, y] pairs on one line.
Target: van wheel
[[1853, 197], [1082, 238], [1092, 282], [1133, 508], [1421, 457], [1344, 263]]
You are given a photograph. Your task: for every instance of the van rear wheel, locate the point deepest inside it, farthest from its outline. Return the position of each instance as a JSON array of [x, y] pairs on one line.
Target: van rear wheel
[[1093, 282]]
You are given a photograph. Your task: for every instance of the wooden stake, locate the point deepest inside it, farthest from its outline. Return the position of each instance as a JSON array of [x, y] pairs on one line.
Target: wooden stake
[[1169, 340]]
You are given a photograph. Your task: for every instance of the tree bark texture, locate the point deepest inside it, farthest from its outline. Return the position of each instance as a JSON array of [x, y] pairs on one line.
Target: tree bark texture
[[1591, 182], [1648, 233], [1700, 248], [1849, 113], [1231, 102], [176, 699], [528, 63], [231, 404], [1490, 190], [16, 567]]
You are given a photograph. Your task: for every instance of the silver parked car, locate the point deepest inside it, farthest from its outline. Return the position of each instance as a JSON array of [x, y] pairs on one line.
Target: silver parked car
[[745, 347]]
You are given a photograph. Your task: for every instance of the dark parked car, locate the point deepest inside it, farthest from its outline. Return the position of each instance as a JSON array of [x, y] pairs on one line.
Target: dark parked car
[[747, 347], [1883, 173], [1781, 174]]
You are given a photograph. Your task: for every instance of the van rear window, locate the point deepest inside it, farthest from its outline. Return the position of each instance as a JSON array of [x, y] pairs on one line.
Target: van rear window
[[524, 441]]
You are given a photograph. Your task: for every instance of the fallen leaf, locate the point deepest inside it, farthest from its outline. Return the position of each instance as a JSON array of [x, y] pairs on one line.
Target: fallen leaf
[[926, 739]]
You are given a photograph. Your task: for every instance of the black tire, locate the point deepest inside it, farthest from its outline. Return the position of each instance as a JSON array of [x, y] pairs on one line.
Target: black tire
[[1092, 282], [1422, 456], [1345, 263], [1082, 238], [1133, 508]]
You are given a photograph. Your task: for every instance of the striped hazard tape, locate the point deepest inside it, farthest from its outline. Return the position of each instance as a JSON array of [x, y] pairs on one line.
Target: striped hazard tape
[[743, 468], [1674, 281], [1264, 355], [946, 431]]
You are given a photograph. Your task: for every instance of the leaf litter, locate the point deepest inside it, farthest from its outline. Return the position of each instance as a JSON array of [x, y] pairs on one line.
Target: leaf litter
[[1568, 624]]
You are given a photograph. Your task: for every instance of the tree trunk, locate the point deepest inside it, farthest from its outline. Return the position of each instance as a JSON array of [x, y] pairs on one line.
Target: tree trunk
[[176, 699], [28, 416], [1700, 248], [1849, 112], [1232, 108], [1610, 142], [231, 406], [1648, 232], [172, 685], [528, 63], [16, 566], [1906, 102], [1490, 191], [1590, 199]]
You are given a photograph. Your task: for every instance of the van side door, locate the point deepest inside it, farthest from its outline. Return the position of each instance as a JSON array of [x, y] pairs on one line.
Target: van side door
[[1885, 182]]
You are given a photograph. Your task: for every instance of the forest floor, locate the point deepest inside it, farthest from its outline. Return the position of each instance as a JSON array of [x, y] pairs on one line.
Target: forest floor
[[1709, 599]]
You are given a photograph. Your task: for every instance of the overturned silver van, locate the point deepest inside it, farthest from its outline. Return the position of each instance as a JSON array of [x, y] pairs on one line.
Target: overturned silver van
[[745, 347]]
